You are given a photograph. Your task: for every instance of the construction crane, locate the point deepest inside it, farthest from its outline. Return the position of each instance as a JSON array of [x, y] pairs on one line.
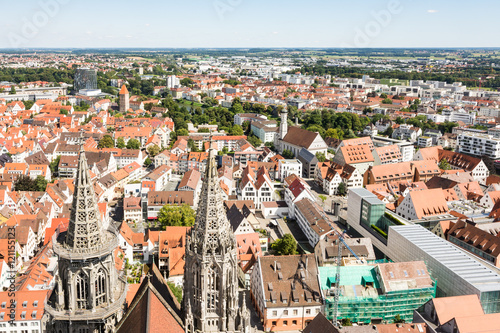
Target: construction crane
[[340, 241]]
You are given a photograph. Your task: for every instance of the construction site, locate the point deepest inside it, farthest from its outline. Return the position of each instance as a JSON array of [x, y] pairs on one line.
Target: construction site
[[376, 293]]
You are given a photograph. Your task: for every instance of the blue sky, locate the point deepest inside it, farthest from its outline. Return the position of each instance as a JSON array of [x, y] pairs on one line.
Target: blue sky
[[249, 23]]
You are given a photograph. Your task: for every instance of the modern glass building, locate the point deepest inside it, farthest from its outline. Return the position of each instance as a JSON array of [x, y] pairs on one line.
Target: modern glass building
[[456, 271], [85, 79]]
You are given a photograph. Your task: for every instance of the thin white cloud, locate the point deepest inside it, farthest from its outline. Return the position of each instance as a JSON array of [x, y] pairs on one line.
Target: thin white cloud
[[432, 11]]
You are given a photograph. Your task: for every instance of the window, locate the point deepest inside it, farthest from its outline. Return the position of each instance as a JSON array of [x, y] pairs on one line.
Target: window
[[82, 291], [25, 304], [295, 312], [273, 323], [308, 311], [285, 322], [100, 288], [294, 322], [285, 313], [275, 313]]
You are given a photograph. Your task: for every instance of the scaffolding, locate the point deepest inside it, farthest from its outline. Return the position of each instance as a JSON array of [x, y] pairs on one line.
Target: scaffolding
[[367, 303]]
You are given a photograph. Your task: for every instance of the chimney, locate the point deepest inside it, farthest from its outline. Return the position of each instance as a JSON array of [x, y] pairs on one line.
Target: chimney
[[275, 266], [307, 259]]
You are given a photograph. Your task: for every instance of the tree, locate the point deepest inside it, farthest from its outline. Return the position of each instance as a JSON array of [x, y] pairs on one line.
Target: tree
[[387, 101], [236, 130], [383, 95], [398, 319], [28, 104], [41, 183], [287, 154], [323, 198], [54, 165], [170, 215], [253, 140], [285, 246], [153, 150], [120, 143], [133, 144], [346, 322], [64, 112], [147, 161], [106, 142], [177, 291], [187, 82], [12, 90], [182, 132], [341, 189], [444, 165], [321, 157], [25, 183]]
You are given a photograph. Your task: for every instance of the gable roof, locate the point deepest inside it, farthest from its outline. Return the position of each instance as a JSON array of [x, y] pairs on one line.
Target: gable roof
[[428, 202], [153, 309], [457, 306], [300, 137]]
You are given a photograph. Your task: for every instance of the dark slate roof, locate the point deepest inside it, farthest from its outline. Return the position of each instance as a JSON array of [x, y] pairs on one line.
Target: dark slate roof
[[235, 217], [306, 156], [5, 158], [320, 325]]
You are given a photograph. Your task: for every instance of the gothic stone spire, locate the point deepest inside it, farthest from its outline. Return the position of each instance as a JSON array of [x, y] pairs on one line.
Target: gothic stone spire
[[85, 227], [212, 229]]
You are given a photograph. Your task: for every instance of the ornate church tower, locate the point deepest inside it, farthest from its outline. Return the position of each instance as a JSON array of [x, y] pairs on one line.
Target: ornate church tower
[[89, 293], [283, 130], [211, 298]]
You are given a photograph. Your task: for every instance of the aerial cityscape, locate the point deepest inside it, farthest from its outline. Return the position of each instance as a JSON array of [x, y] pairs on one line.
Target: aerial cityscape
[[243, 167]]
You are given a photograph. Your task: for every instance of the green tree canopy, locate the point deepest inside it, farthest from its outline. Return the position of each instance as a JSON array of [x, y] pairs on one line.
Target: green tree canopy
[[25, 183], [170, 215], [444, 165], [341, 189], [253, 140], [133, 144], [287, 154], [106, 142], [153, 150], [236, 130], [285, 246], [321, 157], [54, 165], [120, 143]]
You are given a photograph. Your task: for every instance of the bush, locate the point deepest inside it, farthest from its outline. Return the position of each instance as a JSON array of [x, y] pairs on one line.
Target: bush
[[380, 231], [393, 219]]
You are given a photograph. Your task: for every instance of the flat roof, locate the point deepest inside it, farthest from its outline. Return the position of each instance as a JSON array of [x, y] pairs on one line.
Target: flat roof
[[482, 276]]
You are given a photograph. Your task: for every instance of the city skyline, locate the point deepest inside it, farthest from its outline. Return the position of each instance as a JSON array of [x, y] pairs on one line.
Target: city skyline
[[243, 24]]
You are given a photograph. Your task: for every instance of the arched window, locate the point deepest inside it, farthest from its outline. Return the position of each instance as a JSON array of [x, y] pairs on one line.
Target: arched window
[[213, 289], [82, 291], [100, 288]]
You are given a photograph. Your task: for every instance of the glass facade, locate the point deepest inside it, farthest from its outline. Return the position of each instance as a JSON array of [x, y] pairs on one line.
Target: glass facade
[[372, 210], [490, 301]]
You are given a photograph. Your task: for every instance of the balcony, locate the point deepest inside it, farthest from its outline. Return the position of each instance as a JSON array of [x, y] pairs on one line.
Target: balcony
[[98, 314], [108, 243]]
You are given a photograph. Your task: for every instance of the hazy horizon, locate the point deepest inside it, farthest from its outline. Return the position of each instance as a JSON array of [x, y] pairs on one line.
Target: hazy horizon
[[66, 24]]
